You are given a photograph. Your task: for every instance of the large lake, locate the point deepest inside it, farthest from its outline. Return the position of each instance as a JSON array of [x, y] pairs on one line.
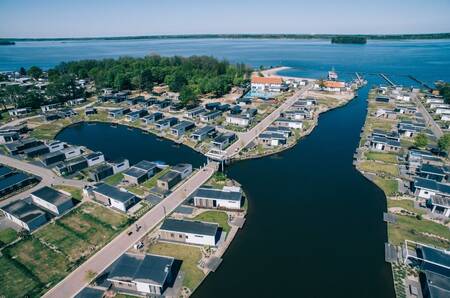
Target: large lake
[[315, 226]]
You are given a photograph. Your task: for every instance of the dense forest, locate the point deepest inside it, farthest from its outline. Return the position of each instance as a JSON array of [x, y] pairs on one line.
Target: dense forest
[[444, 90], [349, 39], [253, 36], [190, 76]]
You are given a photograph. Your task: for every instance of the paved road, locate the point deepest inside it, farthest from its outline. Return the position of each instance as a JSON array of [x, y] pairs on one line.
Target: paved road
[[437, 131], [48, 178], [246, 137], [76, 281]]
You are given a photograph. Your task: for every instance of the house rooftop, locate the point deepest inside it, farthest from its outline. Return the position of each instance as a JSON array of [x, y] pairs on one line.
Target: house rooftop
[[13, 180], [218, 194], [23, 210], [438, 284], [113, 192], [204, 130], [266, 80], [4, 170], [188, 226], [432, 185], [135, 172], [145, 165], [169, 176], [430, 169], [51, 195], [147, 268], [183, 124]]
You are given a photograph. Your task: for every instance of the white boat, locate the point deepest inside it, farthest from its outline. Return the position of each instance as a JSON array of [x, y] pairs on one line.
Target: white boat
[[332, 75]]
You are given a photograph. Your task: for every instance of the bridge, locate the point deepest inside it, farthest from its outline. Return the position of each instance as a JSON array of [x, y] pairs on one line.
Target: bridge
[[77, 280]]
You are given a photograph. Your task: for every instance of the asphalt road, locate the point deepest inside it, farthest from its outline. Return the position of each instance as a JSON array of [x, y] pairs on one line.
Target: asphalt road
[[246, 137], [48, 178], [77, 280], [437, 131]]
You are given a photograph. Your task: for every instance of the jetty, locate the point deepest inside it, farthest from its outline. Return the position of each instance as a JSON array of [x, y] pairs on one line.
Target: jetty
[[387, 79], [420, 82]]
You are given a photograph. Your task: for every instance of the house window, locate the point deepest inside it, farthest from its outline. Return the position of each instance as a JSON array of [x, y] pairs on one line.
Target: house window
[[180, 236]]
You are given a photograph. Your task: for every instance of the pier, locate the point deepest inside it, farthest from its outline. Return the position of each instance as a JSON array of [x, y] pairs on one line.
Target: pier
[[420, 82], [387, 79]]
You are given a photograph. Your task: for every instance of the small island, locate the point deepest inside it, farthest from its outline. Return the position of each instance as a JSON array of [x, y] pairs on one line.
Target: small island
[[7, 43], [349, 39]]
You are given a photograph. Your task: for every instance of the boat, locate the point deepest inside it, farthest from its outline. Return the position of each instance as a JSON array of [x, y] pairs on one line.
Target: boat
[[332, 75]]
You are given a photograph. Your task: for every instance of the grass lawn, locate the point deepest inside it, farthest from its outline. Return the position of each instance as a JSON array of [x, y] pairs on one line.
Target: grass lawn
[[48, 131], [136, 189], [103, 214], [114, 179], [380, 168], [410, 228], [7, 236], [405, 204], [15, 282], [389, 186], [150, 183], [43, 262], [65, 241], [383, 124], [189, 255], [386, 157], [74, 191], [219, 217]]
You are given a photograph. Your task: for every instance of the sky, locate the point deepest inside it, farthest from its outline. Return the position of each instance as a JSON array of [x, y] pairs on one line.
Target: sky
[[93, 18]]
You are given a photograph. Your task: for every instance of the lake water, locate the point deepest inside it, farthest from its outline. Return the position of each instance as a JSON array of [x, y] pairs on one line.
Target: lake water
[[315, 226]]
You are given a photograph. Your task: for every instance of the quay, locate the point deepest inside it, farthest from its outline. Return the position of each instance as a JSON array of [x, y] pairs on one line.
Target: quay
[[387, 79], [420, 82], [76, 281]]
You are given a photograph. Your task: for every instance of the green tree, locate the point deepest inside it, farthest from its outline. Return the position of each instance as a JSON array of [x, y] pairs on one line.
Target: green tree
[[187, 95], [444, 142], [146, 80], [22, 71], [420, 140], [34, 72]]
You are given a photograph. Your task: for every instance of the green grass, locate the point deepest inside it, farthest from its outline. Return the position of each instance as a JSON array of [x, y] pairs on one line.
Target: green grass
[[64, 240], [48, 131], [74, 191], [150, 183], [389, 186], [385, 157], [109, 217], [43, 262], [410, 228], [136, 189], [189, 255], [379, 168], [219, 217], [383, 124], [7, 236], [405, 204], [114, 179], [15, 282]]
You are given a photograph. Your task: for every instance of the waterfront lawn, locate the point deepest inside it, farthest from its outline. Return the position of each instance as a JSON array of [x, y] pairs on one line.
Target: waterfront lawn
[[219, 217], [48, 131], [63, 240], [379, 168], [44, 263], [405, 204], [16, 281], [189, 255], [411, 228], [75, 192], [150, 183], [385, 157], [7, 236], [114, 179], [389, 186], [383, 124]]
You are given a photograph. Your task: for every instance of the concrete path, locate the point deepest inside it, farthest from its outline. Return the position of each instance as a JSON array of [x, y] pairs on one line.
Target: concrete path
[[48, 178], [247, 137], [76, 281]]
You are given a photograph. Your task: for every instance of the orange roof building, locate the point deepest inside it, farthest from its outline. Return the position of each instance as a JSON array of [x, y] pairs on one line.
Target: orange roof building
[[267, 80], [333, 84]]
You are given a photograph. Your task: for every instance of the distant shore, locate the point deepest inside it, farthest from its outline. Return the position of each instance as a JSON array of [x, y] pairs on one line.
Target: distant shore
[[249, 36]]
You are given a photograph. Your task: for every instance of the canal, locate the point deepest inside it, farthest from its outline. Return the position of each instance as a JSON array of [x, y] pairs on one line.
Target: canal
[[314, 227]]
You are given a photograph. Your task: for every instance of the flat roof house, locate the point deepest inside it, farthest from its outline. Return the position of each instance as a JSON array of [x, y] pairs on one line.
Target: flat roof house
[[184, 169], [223, 140], [432, 172], [226, 198], [101, 172], [25, 214], [285, 131], [52, 200], [95, 158], [118, 113], [152, 118], [385, 141], [8, 137], [13, 182], [19, 112], [114, 197], [410, 129], [195, 112], [182, 127], [272, 139], [168, 180], [190, 232], [289, 123], [50, 107], [202, 133], [267, 84], [146, 274], [240, 120], [209, 116], [133, 116], [140, 172], [166, 123], [426, 188], [72, 166], [17, 147], [439, 205]]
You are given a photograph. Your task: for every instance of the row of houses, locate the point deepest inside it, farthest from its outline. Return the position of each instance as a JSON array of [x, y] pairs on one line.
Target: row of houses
[[12, 180], [50, 111], [36, 210]]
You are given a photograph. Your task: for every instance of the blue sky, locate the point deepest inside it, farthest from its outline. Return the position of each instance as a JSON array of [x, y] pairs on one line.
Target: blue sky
[[83, 18]]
